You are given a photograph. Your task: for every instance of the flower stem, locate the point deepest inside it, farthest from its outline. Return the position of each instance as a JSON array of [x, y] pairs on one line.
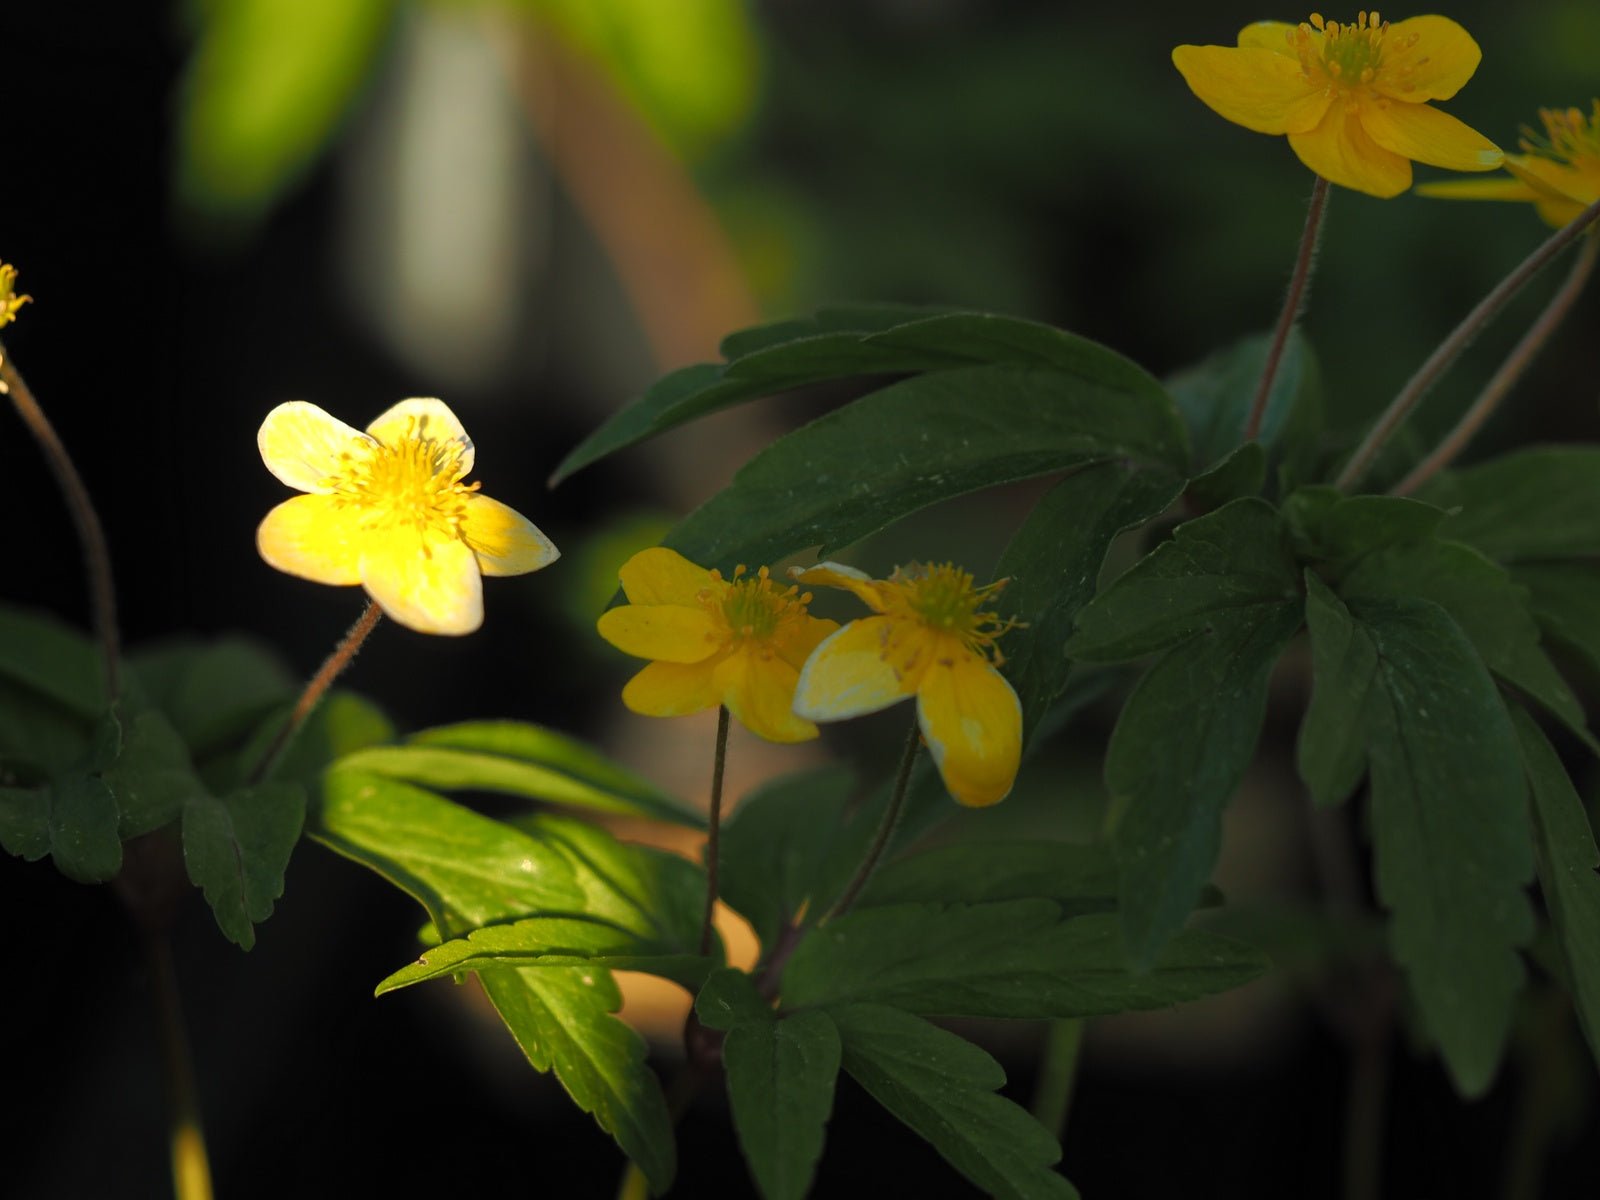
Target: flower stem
[[1052, 1097], [1510, 371], [96, 554], [191, 1170], [714, 819], [891, 820], [1293, 301], [1450, 349], [333, 666]]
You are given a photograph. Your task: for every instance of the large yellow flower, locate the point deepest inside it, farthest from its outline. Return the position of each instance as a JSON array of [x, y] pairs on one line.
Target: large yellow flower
[[1352, 98], [1558, 171], [388, 509], [928, 640], [737, 642]]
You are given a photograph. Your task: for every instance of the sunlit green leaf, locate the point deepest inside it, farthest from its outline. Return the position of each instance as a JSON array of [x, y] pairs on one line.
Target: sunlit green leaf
[[236, 849], [1533, 504], [781, 1073]]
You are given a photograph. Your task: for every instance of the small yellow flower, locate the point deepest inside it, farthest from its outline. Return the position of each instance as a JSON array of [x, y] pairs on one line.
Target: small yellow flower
[[1558, 171], [737, 642], [9, 301], [1352, 98], [387, 509], [928, 640]]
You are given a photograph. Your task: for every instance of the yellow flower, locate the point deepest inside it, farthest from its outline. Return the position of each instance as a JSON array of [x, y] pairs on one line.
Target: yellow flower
[[1559, 171], [1352, 98], [737, 642], [930, 640], [387, 509], [9, 302]]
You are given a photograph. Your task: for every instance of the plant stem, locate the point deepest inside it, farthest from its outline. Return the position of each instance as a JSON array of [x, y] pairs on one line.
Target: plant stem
[[1450, 349], [891, 819], [92, 535], [1510, 371], [191, 1171], [343, 654], [1293, 301], [713, 837], [1052, 1097]]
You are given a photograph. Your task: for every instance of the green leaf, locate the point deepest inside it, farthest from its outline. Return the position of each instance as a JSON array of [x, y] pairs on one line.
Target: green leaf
[[1331, 753], [1054, 562], [729, 998], [236, 850], [1565, 598], [1216, 396], [25, 821], [83, 829], [1176, 757], [39, 738], [1534, 504], [775, 844], [1234, 558], [1448, 821], [1242, 473], [152, 778], [1339, 531], [1017, 958], [925, 439], [1566, 861], [781, 1074], [50, 658], [1082, 879], [341, 725], [214, 692], [942, 1088]]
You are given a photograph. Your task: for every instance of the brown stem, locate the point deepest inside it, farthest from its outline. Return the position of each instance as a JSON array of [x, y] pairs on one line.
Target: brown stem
[[333, 666], [1450, 349], [92, 535], [1293, 302], [1510, 371], [713, 837], [886, 828]]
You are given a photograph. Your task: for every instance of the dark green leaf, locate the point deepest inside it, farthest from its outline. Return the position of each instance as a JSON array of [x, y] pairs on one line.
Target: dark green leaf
[[83, 829], [1566, 603], [343, 724], [25, 821], [781, 1073], [943, 1088], [1216, 396], [39, 738], [1332, 749], [728, 998], [237, 848], [1177, 756], [1082, 879], [105, 742], [1566, 859], [1242, 473], [1339, 531], [214, 692], [1229, 559], [152, 778], [51, 658], [1537, 503], [1054, 563]]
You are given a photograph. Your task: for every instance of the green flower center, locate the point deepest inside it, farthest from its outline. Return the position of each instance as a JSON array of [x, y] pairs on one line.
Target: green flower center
[[754, 607], [943, 597], [1569, 136], [1351, 54]]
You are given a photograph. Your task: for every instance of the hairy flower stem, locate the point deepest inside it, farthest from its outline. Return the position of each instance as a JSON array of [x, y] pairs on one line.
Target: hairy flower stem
[[333, 666], [1293, 301], [1450, 349], [1510, 370], [96, 554], [891, 821], [714, 820]]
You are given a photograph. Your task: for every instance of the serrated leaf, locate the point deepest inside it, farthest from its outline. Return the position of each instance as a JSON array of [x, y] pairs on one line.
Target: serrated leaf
[[1176, 757], [83, 829], [236, 849], [1331, 752], [1216, 396], [781, 1074], [1017, 958], [1565, 598], [152, 778], [942, 1088], [1081, 879], [1053, 563], [1233, 558], [1538, 503], [48, 657]]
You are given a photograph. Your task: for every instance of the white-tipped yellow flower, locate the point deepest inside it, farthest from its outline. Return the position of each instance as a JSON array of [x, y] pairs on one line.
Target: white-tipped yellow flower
[[930, 640], [1558, 171], [388, 509]]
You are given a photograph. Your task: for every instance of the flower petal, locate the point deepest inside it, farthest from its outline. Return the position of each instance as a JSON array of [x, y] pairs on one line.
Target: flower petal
[[301, 444], [837, 575], [1271, 35], [1257, 88], [1555, 180], [759, 690], [424, 419], [662, 576], [314, 537], [972, 721], [847, 675], [505, 541], [1498, 188], [1341, 152], [431, 585], [664, 632], [796, 646], [1427, 135], [1426, 58], [667, 689]]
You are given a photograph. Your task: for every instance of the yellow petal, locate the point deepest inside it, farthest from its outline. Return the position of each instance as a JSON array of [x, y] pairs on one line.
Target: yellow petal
[[1427, 135], [424, 419], [662, 576], [505, 541], [1498, 188], [847, 675], [1555, 180], [431, 585], [837, 575], [665, 632], [972, 722], [759, 690], [314, 537], [1259, 89], [1271, 35], [1558, 214], [803, 638], [666, 689], [1341, 152], [1434, 66], [301, 444]]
